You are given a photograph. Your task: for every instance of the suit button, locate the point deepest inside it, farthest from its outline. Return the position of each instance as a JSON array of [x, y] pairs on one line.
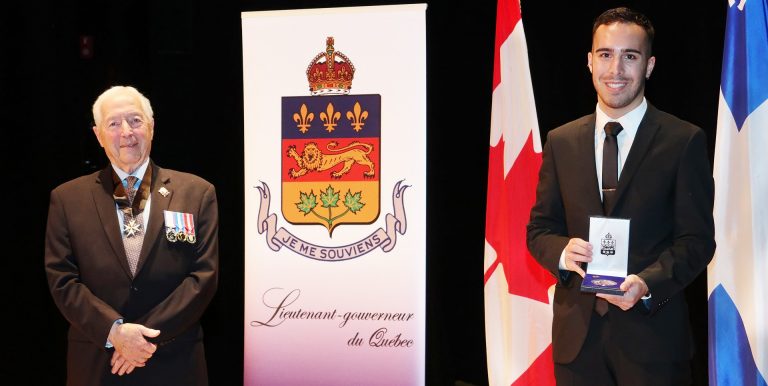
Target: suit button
[[134, 289]]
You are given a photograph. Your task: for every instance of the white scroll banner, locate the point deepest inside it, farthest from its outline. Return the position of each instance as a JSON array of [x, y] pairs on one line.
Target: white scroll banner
[[386, 239]]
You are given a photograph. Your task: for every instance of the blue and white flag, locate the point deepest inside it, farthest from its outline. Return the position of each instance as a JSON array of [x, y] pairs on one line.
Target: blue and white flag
[[738, 274]]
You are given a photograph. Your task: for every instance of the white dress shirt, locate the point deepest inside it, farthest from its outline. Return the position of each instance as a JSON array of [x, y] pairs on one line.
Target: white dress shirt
[[629, 122]]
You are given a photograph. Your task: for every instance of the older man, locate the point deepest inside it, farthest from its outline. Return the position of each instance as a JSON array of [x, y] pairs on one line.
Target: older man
[[131, 255]]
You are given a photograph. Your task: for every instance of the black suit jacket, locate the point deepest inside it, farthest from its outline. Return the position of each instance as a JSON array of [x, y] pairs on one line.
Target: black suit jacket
[[91, 283], [666, 189]]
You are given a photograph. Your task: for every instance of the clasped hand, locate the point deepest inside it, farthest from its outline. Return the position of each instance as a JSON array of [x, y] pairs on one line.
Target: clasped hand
[[131, 347]]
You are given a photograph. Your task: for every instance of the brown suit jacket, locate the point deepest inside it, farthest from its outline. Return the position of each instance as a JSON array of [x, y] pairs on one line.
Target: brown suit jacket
[[667, 191], [91, 283]]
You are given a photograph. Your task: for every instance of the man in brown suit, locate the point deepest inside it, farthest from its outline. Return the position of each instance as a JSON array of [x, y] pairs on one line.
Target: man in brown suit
[[131, 255]]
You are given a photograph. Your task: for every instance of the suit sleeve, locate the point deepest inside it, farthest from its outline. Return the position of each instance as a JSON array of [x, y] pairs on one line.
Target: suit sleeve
[[546, 231], [186, 304], [82, 309], [694, 244]]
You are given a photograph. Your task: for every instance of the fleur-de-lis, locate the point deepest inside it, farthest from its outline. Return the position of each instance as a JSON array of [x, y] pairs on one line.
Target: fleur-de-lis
[[356, 119], [330, 118], [303, 119]]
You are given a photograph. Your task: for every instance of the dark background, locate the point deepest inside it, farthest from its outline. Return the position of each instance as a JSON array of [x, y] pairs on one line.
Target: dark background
[[186, 57]]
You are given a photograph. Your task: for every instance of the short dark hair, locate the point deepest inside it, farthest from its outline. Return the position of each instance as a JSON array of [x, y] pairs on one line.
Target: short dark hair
[[626, 15]]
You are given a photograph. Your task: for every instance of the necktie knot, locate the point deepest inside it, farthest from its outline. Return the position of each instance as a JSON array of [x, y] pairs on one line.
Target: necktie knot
[[613, 129]]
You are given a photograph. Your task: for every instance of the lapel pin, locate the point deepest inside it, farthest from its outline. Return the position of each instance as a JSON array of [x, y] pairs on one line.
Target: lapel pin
[[165, 192]]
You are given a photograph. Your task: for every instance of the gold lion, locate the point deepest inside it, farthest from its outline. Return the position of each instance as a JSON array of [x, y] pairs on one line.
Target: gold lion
[[312, 159]]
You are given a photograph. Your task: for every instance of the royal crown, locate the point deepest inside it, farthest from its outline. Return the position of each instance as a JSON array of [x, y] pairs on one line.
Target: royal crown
[[330, 72]]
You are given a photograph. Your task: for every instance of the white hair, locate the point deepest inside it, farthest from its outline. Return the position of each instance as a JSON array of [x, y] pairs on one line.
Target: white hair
[[146, 107]]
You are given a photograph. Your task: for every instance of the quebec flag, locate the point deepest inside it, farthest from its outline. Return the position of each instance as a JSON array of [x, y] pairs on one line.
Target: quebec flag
[[738, 274]]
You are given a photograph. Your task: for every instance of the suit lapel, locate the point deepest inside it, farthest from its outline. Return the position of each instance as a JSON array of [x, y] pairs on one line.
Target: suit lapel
[[102, 194], [647, 130], [156, 218], [586, 141]]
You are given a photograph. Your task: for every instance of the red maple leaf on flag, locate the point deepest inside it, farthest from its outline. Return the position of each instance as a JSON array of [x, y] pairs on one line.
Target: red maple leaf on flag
[[510, 200], [517, 301]]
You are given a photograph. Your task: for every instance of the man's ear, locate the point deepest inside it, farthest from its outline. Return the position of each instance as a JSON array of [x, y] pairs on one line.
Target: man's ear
[[589, 61], [649, 67], [96, 132]]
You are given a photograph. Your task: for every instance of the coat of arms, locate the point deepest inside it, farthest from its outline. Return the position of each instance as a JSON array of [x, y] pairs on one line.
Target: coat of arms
[[331, 141], [608, 245], [331, 163]]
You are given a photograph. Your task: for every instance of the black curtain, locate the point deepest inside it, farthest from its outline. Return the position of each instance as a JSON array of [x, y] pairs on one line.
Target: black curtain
[[186, 57]]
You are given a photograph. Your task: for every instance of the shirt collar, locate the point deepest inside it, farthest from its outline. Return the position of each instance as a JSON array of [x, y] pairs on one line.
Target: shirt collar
[[629, 121], [138, 173]]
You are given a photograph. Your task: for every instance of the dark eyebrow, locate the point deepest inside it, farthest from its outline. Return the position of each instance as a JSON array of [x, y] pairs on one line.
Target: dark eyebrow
[[626, 50]]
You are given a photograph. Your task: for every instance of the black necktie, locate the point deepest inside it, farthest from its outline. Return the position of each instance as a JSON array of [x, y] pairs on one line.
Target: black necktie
[[610, 182], [610, 165]]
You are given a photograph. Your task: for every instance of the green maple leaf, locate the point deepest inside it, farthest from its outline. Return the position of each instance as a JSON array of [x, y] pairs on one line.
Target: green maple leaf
[[307, 203], [352, 201], [330, 198]]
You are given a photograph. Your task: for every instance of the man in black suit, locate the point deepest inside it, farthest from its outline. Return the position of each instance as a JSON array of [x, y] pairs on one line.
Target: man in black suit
[[131, 255], [665, 188]]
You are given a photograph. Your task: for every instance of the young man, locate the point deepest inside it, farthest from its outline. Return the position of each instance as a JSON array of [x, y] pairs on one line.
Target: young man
[[662, 182]]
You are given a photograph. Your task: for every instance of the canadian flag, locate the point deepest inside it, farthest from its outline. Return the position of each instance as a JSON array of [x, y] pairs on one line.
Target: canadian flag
[[518, 311]]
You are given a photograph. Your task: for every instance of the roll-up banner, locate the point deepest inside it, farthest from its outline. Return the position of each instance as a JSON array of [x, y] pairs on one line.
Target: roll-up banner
[[335, 196]]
